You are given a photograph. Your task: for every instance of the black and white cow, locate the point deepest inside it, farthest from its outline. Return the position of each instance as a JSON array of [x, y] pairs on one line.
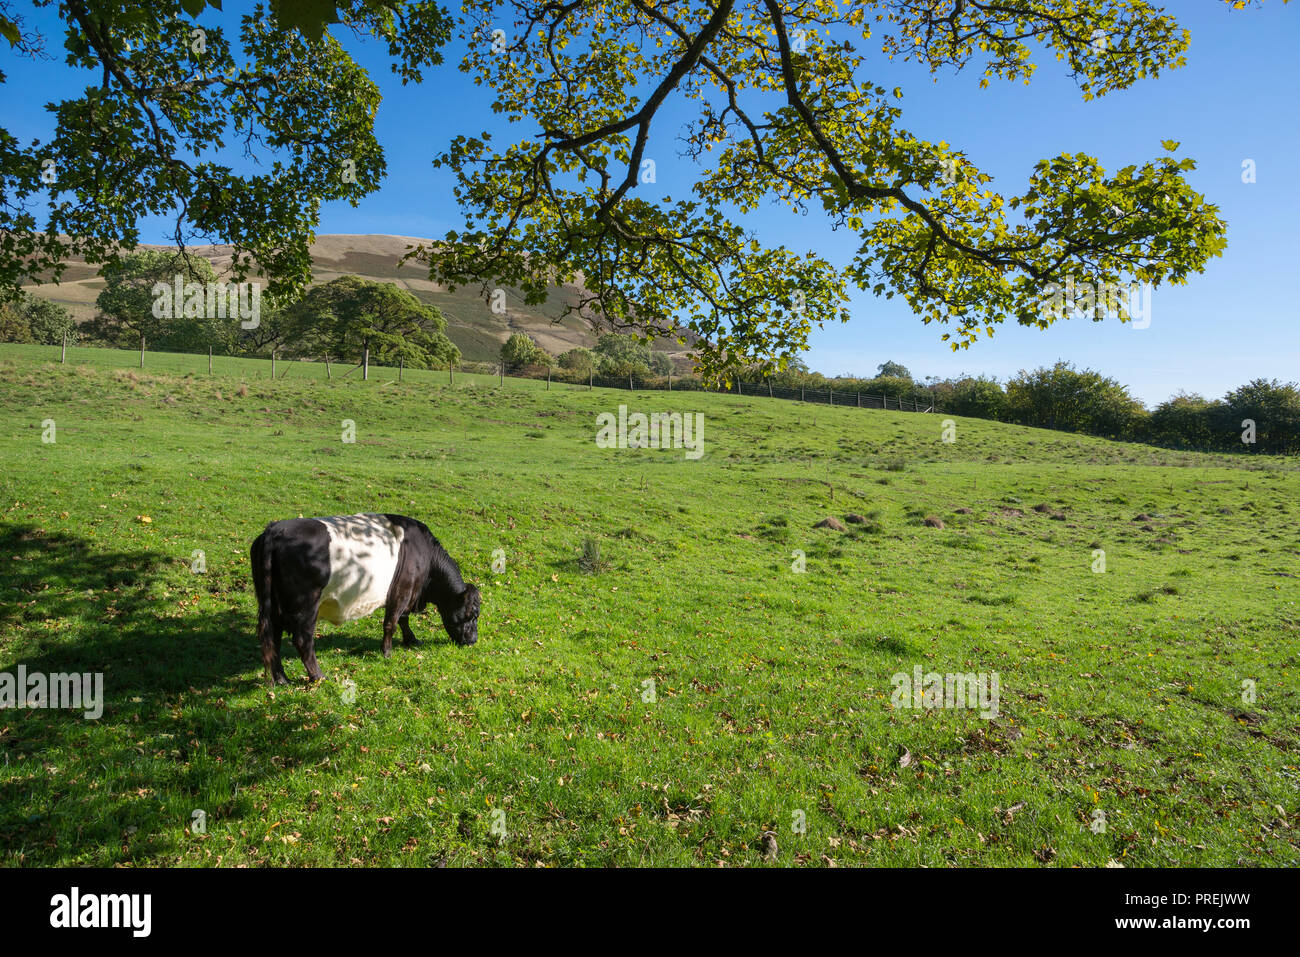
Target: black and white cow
[[344, 567]]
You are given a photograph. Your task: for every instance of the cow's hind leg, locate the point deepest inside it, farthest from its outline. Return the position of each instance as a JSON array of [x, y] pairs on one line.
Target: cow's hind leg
[[271, 644], [408, 637], [303, 629]]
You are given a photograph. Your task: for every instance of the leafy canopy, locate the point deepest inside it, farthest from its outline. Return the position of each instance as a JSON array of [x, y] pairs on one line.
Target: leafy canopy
[[788, 101], [29, 319], [787, 108], [520, 350], [346, 316], [233, 137]]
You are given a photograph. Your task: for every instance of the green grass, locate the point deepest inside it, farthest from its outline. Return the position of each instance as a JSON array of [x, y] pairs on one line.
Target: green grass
[[1120, 692]]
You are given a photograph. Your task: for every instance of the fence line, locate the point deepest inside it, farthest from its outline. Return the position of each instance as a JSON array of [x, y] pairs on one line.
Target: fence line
[[764, 389]]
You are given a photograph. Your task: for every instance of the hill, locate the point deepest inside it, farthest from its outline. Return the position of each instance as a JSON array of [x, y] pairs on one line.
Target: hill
[[475, 329], [723, 669]]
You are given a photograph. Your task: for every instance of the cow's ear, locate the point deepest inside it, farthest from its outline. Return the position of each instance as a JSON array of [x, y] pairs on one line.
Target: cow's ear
[[472, 601]]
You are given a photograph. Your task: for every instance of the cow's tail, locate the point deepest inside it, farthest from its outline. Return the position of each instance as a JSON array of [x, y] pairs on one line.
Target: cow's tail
[[261, 556]]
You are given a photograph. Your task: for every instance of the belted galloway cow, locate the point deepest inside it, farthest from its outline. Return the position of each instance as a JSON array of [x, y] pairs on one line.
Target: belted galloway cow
[[346, 566]]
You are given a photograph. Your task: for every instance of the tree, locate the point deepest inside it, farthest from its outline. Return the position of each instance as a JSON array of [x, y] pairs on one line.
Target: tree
[[578, 361], [347, 316], [1073, 400], [30, 319], [980, 397], [176, 105], [1273, 407], [520, 350], [620, 355], [895, 369], [1186, 420], [138, 300], [784, 107]]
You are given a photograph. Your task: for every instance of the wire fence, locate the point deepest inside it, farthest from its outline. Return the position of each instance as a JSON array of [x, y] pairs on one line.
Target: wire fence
[[765, 389], [336, 368]]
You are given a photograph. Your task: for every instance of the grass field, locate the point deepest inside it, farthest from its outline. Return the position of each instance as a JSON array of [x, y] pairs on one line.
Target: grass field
[[1120, 692]]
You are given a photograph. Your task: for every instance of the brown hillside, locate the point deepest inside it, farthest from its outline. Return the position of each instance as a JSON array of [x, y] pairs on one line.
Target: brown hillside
[[470, 323]]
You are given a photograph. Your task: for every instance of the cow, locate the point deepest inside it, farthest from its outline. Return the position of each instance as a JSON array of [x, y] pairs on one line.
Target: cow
[[344, 567]]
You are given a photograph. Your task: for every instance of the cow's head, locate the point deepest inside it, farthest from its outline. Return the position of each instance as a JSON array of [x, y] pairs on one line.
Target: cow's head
[[460, 616]]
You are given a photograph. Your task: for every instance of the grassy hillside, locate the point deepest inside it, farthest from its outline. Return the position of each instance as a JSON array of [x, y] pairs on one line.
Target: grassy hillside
[[475, 329], [1121, 692]]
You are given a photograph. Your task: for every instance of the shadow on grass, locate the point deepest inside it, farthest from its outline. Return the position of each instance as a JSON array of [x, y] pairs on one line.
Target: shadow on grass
[[126, 786]]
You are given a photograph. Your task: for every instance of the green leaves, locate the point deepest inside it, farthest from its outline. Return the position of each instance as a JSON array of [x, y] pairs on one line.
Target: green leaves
[[779, 112], [238, 139], [9, 30], [344, 317]]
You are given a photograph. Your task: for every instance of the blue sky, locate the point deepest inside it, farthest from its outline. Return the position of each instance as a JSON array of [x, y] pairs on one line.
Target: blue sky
[[1236, 99]]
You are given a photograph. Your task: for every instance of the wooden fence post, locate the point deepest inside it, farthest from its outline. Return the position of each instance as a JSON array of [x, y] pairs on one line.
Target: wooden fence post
[[502, 381], [832, 394], [328, 373], [548, 378], [801, 395], [591, 377], [209, 360], [142, 352], [670, 380], [272, 363], [65, 348], [365, 364], [451, 378], [859, 400], [401, 366]]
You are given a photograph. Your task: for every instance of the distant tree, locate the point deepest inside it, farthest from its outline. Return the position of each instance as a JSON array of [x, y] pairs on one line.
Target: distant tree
[[1186, 421], [894, 369], [346, 316], [621, 356], [129, 305], [979, 397], [579, 361], [29, 318], [14, 326], [521, 350], [1273, 407], [1073, 400], [660, 364]]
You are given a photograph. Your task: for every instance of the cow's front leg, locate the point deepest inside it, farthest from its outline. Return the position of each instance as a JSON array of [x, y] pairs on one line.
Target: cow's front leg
[[390, 625], [408, 637]]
